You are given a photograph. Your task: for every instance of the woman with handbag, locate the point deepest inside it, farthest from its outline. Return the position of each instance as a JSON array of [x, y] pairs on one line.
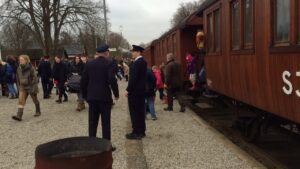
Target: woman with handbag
[[27, 82], [77, 70]]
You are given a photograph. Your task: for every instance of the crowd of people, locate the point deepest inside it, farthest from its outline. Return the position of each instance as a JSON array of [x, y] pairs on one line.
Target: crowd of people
[[94, 82]]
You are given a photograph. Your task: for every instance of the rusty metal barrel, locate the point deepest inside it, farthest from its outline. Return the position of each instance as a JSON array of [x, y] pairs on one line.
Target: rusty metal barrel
[[75, 153]]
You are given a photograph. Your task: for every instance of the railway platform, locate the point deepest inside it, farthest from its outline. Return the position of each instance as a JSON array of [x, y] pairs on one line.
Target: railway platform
[[175, 141]]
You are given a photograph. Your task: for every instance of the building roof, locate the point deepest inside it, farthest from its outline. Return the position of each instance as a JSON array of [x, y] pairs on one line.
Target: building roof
[[74, 49]]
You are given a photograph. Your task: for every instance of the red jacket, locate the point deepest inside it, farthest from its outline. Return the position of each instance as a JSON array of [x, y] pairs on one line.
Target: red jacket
[[159, 82]]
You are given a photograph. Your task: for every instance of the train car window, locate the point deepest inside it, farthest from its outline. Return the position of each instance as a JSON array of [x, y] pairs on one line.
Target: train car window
[[174, 44], [217, 30], [210, 33], [170, 46], [248, 23], [163, 48], [298, 20], [235, 13], [282, 21]]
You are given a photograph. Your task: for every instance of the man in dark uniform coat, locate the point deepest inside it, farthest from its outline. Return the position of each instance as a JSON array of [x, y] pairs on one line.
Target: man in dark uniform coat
[[136, 92], [45, 72], [98, 80]]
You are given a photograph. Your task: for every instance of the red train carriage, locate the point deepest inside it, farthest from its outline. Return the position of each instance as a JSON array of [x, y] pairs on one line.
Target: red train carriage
[[179, 41], [253, 52]]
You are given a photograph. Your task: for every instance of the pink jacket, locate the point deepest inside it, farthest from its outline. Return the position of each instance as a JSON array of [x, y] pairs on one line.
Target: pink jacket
[[159, 82]]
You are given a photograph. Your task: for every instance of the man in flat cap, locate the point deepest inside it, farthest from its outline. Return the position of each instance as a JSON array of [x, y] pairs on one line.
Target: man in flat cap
[[136, 92], [98, 80]]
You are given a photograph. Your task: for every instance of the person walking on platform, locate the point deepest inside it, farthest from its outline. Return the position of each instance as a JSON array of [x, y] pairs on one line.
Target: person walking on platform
[[136, 92], [97, 82], [2, 80], [10, 69], [60, 73], [159, 81], [77, 70], [150, 93], [126, 71], [27, 81], [45, 72], [173, 82]]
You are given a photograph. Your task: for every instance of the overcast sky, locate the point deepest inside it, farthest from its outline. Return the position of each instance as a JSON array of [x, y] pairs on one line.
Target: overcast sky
[[142, 20]]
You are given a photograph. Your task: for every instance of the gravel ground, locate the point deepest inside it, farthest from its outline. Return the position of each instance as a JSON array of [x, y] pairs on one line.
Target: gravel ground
[[19, 140], [181, 141], [175, 141]]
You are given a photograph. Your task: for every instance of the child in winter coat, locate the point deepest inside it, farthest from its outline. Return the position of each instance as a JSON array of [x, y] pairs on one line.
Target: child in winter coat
[[159, 81]]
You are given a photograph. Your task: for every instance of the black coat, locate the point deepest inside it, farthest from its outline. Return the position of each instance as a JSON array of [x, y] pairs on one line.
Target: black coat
[[2, 74], [151, 84], [78, 68], [137, 78], [44, 70], [60, 72], [98, 80]]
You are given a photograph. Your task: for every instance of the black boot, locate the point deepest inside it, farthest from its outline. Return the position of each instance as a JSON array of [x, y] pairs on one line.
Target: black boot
[[37, 110], [66, 98], [19, 115], [58, 101], [182, 109], [168, 109]]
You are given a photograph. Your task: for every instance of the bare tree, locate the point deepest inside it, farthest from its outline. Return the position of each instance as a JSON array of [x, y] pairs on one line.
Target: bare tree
[[46, 18], [185, 10], [117, 41], [16, 36], [66, 38], [90, 38]]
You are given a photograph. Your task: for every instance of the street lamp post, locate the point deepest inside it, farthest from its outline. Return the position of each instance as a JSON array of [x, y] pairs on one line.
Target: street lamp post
[[105, 19]]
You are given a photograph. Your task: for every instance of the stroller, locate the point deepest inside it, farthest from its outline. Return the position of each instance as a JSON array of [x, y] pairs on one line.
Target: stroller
[[73, 83]]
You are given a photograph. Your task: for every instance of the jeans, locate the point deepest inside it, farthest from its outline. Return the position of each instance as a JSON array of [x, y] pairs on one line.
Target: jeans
[[80, 98], [150, 104], [11, 89]]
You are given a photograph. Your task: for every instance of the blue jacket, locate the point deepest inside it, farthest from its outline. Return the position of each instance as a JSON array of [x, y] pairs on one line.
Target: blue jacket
[[10, 73]]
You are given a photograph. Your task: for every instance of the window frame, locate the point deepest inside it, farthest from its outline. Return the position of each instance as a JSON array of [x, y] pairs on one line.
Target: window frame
[[210, 34], [293, 45], [248, 45], [298, 21], [217, 50], [244, 49], [174, 41], [211, 12], [239, 34], [274, 26]]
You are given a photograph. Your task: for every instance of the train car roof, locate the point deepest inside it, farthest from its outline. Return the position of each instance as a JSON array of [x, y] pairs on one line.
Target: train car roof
[[185, 22]]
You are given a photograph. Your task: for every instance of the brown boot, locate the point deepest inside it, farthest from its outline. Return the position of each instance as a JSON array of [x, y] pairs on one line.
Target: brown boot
[[37, 110], [80, 107], [19, 115]]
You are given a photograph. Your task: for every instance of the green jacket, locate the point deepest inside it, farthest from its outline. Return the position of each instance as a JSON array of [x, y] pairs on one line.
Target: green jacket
[[27, 79], [173, 75]]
